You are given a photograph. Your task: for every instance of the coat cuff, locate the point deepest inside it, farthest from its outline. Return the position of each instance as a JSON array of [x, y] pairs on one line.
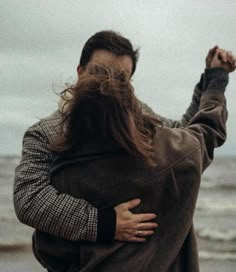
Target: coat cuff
[[216, 78], [106, 225]]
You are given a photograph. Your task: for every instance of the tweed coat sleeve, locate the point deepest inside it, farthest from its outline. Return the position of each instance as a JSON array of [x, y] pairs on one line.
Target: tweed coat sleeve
[[37, 203]]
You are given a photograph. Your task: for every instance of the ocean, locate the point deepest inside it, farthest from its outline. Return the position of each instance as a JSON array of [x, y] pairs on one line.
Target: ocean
[[214, 220]]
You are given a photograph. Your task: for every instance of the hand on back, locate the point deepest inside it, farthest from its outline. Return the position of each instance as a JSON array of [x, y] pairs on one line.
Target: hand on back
[[132, 227]]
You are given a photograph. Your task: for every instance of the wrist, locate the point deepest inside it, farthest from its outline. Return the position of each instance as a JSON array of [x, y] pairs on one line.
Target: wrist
[[106, 225], [200, 84]]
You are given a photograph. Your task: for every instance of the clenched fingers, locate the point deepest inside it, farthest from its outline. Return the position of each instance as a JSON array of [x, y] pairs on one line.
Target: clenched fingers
[[222, 55], [231, 58]]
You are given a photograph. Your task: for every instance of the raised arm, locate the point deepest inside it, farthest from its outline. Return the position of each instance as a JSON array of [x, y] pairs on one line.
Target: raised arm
[[206, 131], [208, 125]]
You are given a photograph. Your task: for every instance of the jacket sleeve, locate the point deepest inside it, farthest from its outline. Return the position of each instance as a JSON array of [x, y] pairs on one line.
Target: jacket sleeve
[[190, 112], [39, 205], [209, 124]]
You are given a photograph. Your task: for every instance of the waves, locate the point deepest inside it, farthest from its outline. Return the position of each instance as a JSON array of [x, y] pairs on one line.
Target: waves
[[222, 186], [217, 205], [217, 235], [223, 256], [15, 243]]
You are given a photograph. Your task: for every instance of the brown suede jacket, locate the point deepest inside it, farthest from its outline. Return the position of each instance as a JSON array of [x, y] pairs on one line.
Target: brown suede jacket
[[105, 176]]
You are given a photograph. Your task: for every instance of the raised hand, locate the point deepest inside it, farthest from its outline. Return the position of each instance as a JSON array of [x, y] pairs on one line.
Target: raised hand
[[224, 59]]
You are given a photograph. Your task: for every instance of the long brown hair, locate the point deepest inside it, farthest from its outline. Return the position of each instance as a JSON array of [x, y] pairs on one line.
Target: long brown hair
[[102, 105]]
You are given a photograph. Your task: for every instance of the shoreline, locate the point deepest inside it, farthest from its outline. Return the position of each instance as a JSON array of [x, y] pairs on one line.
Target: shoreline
[[16, 248], [19, 259]]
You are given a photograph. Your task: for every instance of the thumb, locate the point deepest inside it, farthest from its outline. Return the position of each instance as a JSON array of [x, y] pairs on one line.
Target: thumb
[[210, 55], [133, 203], [212, 51]]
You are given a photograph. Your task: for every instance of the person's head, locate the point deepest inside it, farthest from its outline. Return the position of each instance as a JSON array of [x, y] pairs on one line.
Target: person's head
[[104, 106], [109, 48]]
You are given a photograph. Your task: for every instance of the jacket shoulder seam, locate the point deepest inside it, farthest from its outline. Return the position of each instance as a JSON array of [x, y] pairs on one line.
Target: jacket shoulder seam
[[179, 160]]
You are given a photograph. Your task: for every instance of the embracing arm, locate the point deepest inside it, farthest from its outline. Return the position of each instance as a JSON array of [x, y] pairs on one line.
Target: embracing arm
[[40, 206]]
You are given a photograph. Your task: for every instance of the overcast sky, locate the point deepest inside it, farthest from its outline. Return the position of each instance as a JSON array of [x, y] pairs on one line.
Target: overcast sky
[[41, 42]]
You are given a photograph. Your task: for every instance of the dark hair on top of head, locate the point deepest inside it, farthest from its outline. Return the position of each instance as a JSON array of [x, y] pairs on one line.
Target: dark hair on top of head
[[111, 41], [103, 106]]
